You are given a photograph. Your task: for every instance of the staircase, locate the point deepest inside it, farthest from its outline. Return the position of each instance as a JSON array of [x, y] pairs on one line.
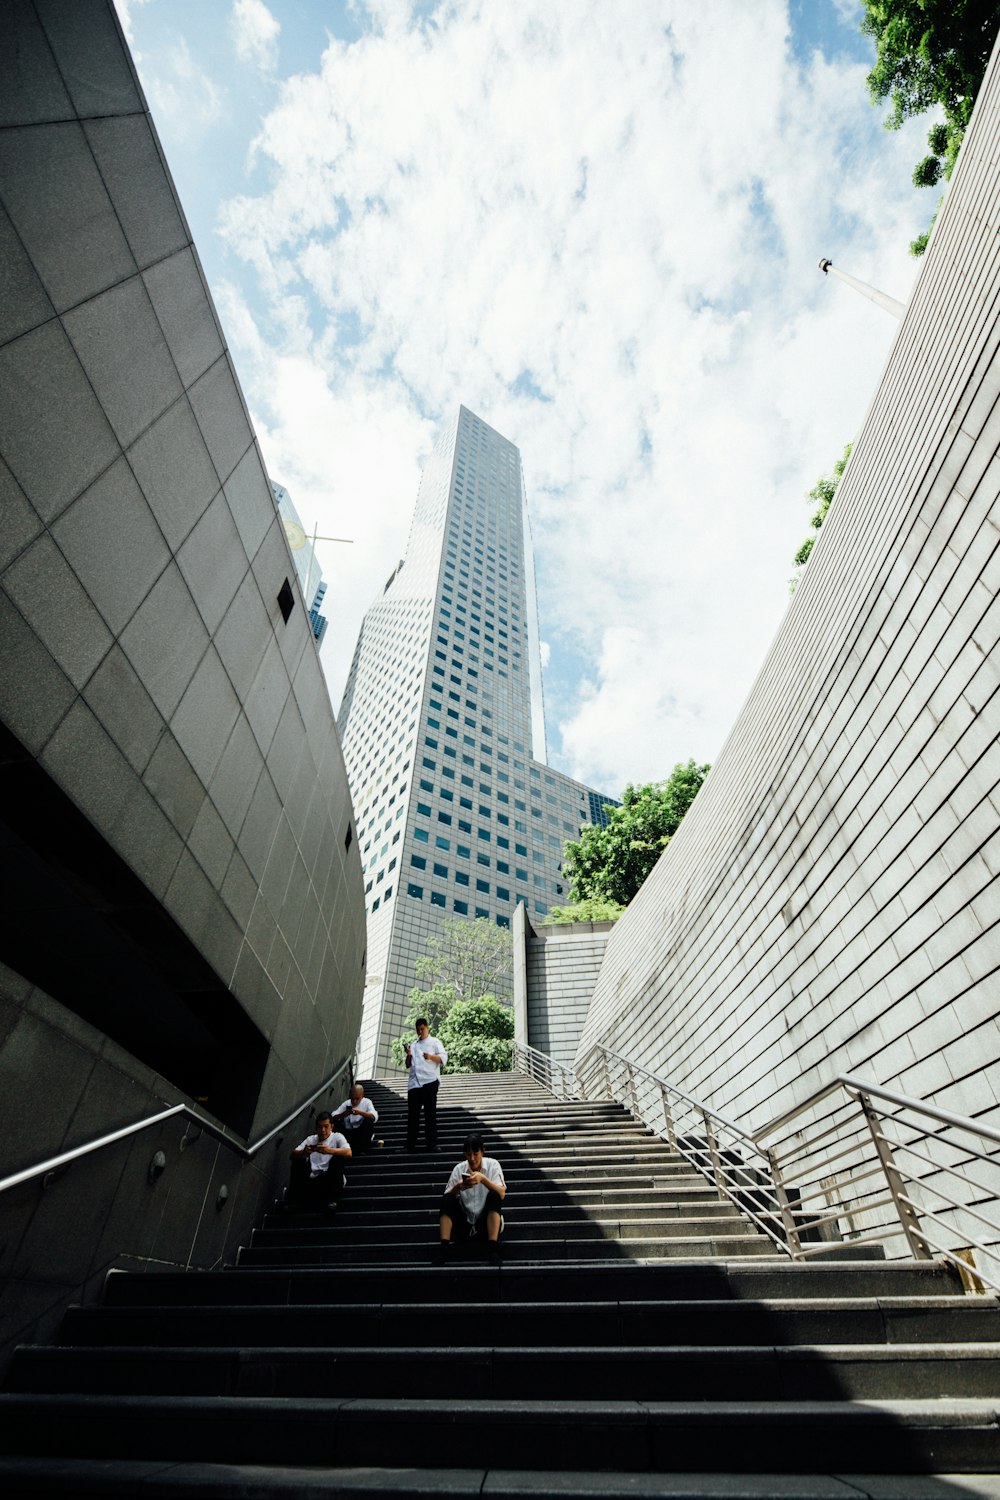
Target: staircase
[[639, 1339]]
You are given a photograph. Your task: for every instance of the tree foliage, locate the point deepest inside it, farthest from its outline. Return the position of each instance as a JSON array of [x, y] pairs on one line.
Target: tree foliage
[[611, 863], [464, 963], [930, 53], [821, 495], [477, 1034], [594, 909]]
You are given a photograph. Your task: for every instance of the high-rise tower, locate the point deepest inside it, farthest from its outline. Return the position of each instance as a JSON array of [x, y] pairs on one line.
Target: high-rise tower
[[454, 815]]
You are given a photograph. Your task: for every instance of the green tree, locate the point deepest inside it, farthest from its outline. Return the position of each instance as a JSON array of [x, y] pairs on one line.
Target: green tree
[[464, 961], [433, 1004], [477, 1034], [610, 864], [821, 495], [591, 910], [930, 53]]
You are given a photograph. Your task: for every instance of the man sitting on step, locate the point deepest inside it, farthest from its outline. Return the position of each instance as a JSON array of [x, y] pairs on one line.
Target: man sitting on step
[[357, 1118], [472, 1202], [317, 1179]]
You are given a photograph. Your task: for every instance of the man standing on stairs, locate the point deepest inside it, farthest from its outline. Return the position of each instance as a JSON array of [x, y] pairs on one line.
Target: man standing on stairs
[[472, 1201], [424, 1060], [357, 1118], [318, 1180]]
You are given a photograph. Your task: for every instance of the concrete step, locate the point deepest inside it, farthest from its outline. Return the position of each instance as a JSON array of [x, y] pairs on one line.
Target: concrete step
[[365, 1197], [354, 1230], [874, 1436], [787, 1321], [719, 1280], [856, 1372], [435, 1169], [374, 1213], [555, 1246], [205, 1481]]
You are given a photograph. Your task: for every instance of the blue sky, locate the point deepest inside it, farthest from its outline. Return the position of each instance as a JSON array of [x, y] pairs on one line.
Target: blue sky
[[596, 224]]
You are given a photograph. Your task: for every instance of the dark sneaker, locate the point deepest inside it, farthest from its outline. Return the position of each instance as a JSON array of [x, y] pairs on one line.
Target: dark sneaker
[[443, 1253], [494, 1254]]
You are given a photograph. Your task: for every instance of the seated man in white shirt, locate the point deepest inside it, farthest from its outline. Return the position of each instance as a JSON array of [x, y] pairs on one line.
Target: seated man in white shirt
[[357, 1118], [472, 1202], [317, 1178]]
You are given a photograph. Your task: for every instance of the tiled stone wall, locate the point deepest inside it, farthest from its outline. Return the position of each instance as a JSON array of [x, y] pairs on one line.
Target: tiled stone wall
[[831, 901], [562, 964], [144, 660]]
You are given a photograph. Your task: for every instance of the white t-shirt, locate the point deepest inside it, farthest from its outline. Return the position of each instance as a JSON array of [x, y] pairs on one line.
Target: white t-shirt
[[473, 1199], [349, 1121], [420, 1070], [318, 1160]]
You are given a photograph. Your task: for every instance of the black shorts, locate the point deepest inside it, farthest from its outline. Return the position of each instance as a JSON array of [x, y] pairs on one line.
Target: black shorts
[[460, 1227]]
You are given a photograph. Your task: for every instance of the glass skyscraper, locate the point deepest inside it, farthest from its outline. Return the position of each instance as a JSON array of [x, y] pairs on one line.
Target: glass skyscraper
[[454, 815], [304, 557]]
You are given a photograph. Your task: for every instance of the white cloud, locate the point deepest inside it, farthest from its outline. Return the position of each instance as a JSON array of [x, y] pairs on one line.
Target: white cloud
[[184, 97], [255, 32], [613, 201], [124, 9]]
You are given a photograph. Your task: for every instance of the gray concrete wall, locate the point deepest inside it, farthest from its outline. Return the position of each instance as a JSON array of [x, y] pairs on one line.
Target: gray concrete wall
[[144, 660], [831, 901], [555, 972]]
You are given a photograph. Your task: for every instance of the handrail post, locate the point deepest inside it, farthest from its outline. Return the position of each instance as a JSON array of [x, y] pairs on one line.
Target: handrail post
[[908, 1217], [789, 1225], [633, 1094], [668, 1119], [607, 1073], [713, 1151]]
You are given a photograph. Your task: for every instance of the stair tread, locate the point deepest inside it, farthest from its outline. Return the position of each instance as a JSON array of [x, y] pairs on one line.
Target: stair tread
[[944, 1412], [638, 1320], [236, 1481]]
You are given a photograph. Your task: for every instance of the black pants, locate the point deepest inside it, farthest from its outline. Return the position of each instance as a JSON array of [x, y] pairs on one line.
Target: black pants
[[305, 1192], [425, 1098], [358, 1137], [461, 1229]]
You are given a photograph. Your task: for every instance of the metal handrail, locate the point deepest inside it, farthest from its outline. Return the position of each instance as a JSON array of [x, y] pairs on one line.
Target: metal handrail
[[902, 1101], [218, 1132], [798, 1175], [540, 1066], [713, 1114]]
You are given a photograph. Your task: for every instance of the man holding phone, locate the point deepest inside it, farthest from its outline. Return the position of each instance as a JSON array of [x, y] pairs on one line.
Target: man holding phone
[[424, 1060], [472, 1202], [317, 1180]]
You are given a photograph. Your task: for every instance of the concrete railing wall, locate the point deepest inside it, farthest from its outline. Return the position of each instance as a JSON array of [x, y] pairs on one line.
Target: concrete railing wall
[[831, 901], [562, 965]]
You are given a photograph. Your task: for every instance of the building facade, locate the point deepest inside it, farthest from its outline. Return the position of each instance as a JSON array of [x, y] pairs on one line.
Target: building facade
[[182, 893], [455, 816], [307, 566]]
